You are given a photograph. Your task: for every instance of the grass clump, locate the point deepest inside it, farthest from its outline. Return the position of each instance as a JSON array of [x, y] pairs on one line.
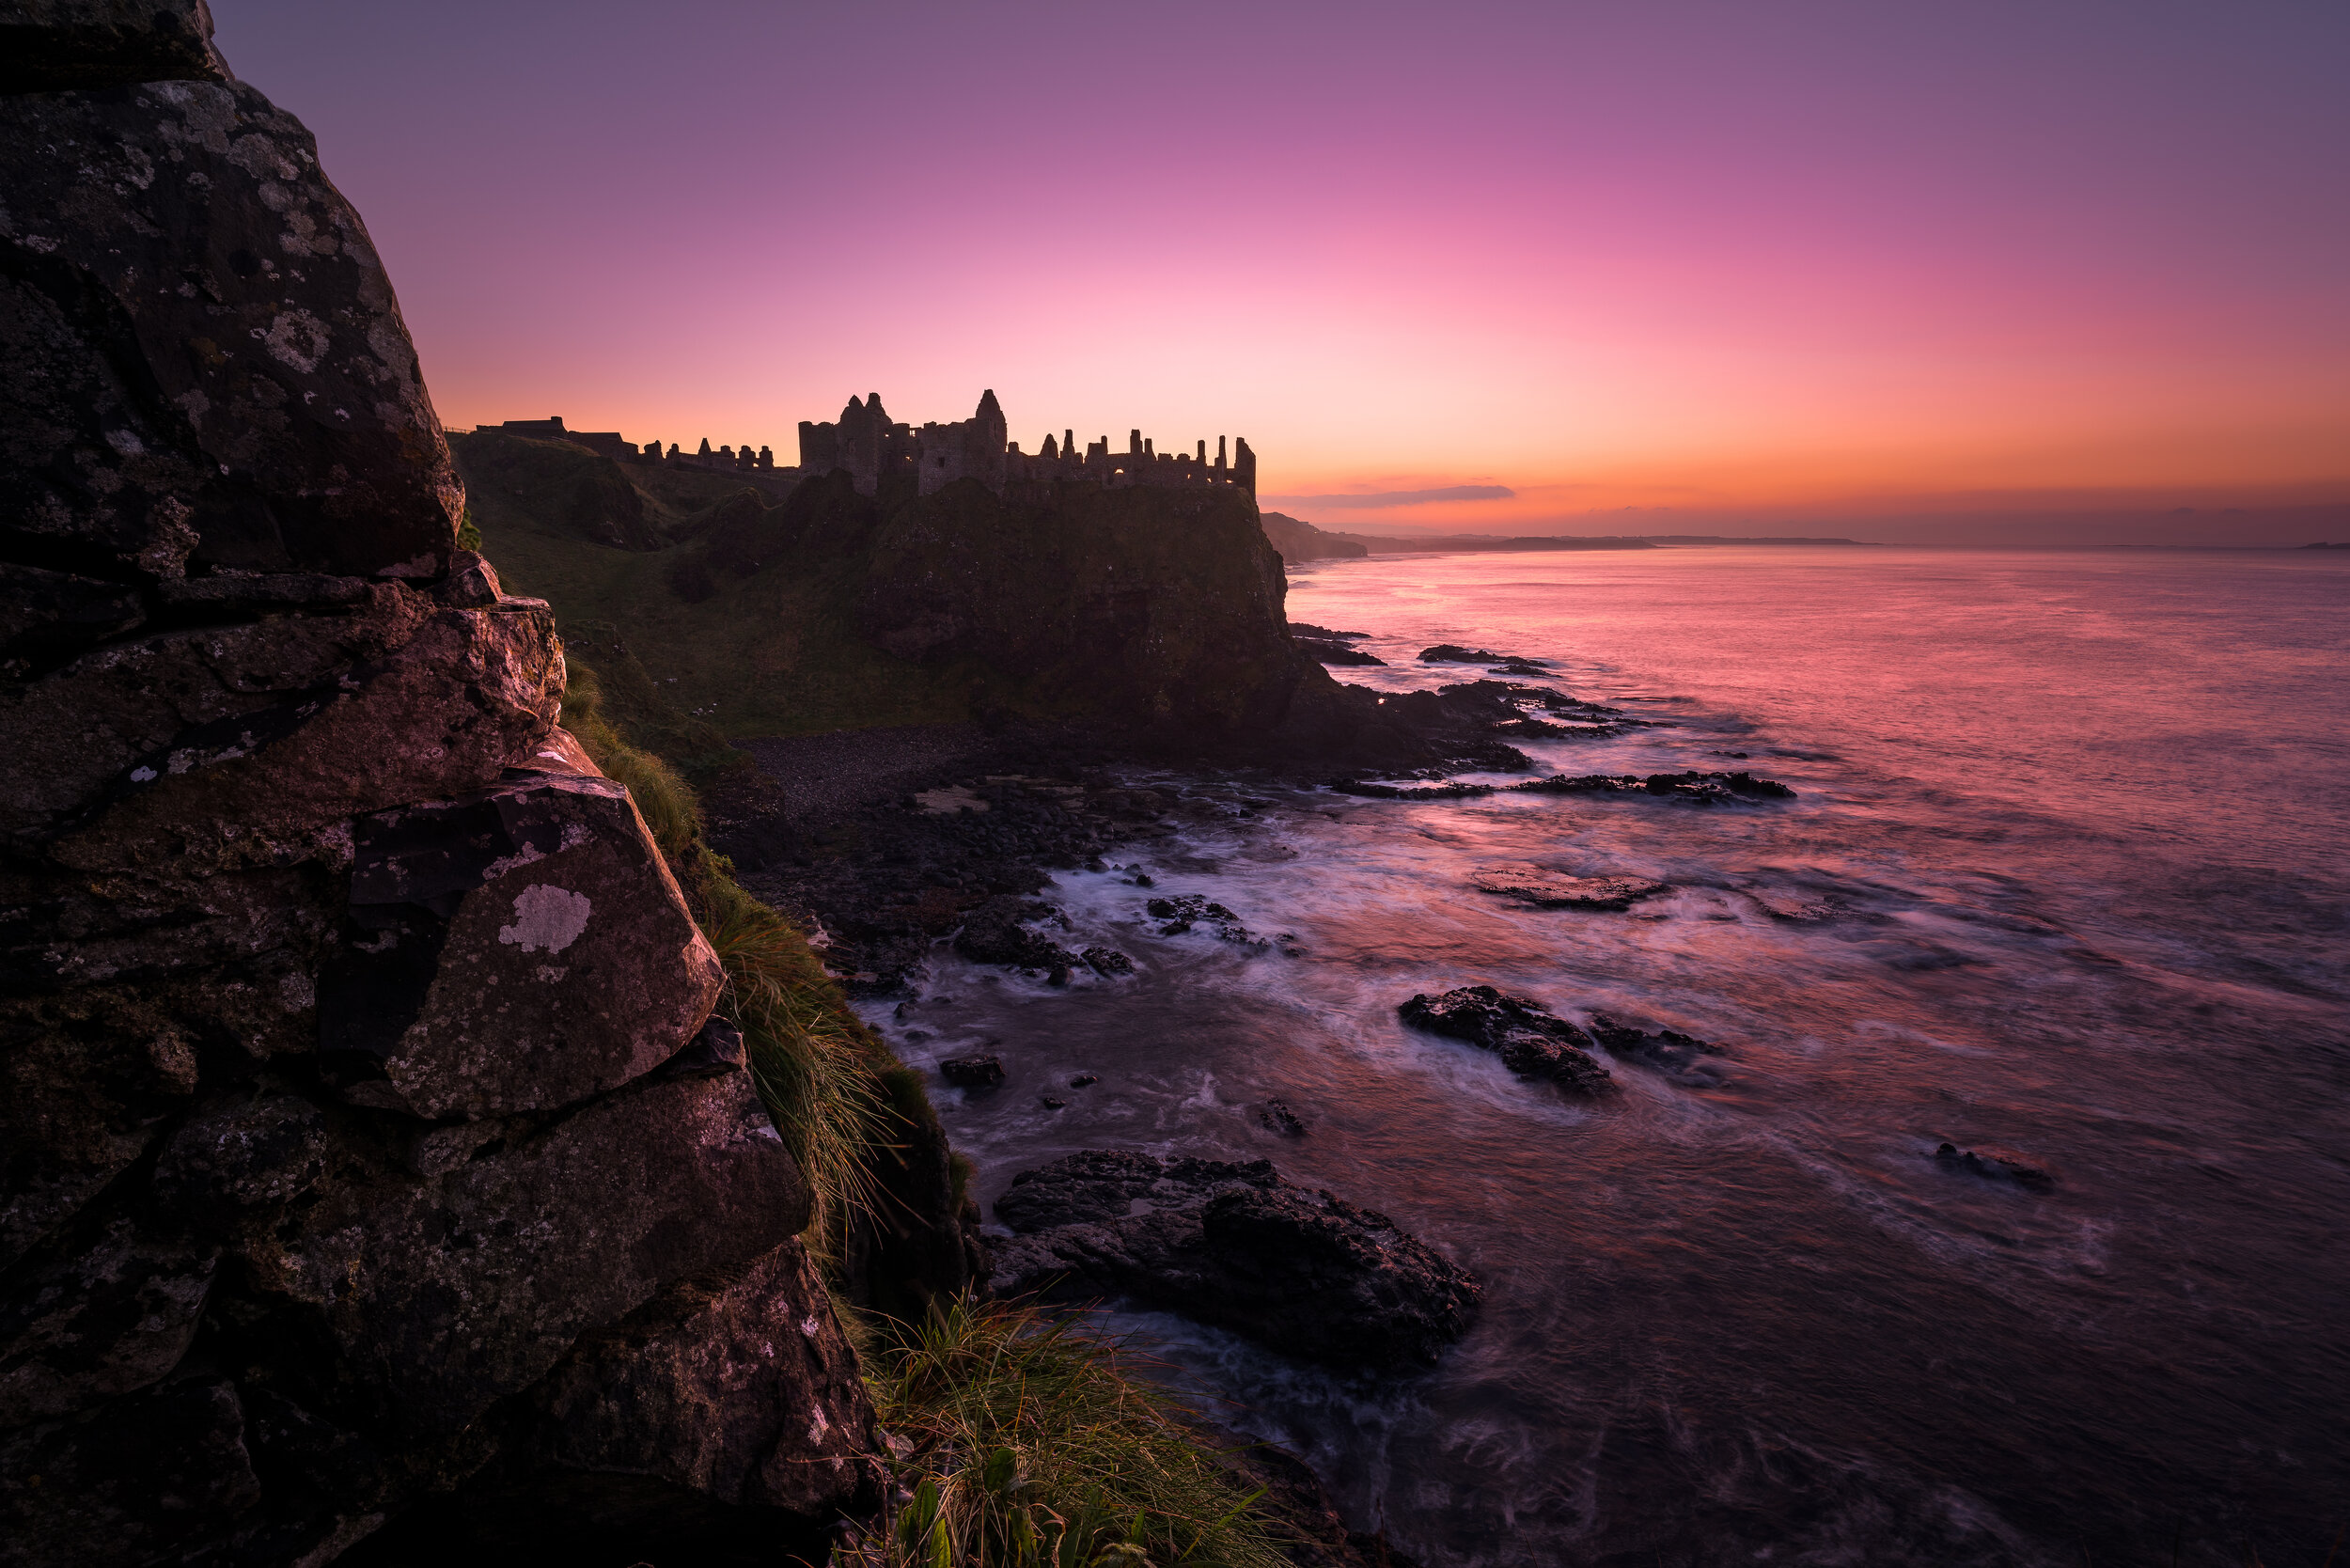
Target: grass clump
[[826, 1078], [1034, 1446]]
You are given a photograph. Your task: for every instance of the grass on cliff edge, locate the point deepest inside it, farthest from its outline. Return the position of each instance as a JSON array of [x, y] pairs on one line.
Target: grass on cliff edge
[[825, 1075], [1033, 1446]]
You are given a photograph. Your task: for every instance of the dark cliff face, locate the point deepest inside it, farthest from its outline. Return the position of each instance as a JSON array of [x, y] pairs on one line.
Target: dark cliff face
[[1153, 610], [365, 1171], [1156, 606]]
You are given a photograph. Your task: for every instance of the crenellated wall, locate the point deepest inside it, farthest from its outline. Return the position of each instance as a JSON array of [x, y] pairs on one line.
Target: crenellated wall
[[871, 446]]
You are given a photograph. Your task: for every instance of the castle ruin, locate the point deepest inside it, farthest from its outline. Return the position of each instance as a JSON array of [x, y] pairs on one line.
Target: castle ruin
[[868, 444]]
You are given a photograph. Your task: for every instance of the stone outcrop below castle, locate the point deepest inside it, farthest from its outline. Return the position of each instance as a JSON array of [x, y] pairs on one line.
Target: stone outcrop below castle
[[874, 449], [371, 1167]]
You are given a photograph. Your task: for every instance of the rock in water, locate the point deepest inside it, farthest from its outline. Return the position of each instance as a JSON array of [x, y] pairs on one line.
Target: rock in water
[[1669, 1051], [1996, 1165], [1532, 1041], [1234, 1244], [1553, 890], [973, 1072]]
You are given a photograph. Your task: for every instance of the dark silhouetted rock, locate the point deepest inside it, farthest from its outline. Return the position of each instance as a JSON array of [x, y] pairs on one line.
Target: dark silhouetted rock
[[1704, 789], [973, 1072], [1996, 1165], [62, 45], [1532, 1041], [1276, 1117], [1107, 962], [1185, 911], [996, 933], [1331, 652], [1232, 1245], [1552, 890], [1453, 653], [1085, 1080], [135, 1480], [1683, 1056]]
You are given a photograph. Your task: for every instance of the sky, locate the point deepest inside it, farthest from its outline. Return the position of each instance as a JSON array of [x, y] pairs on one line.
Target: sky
[[1998, 271]]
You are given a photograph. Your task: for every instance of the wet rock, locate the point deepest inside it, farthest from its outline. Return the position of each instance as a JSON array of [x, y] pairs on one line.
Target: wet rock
[[973, 1072], [1704, 789], [1304, 629], [1234, 1244], [1107, 962], [218, 372], [1670, 1051], [1453, 653], [438, 1295], [515, 949], [1276, 1117], [1054, 1102], [1330, 651], [1410, 791], [1185, 911], [131, 1482], [1532, 1041], [996, 933], [1996, 1165], [1085, 1080], [1552, 890], [105, 1319]]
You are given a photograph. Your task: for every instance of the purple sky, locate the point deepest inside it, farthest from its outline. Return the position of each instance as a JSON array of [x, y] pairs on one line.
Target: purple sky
[[1710, 263]]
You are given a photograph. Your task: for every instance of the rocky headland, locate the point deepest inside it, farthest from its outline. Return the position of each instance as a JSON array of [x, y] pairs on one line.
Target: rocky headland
[[381, 1175]]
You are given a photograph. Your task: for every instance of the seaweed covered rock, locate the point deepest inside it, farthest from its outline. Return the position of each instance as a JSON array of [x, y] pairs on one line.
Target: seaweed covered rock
[[1532, 1041], [1236, 1245]]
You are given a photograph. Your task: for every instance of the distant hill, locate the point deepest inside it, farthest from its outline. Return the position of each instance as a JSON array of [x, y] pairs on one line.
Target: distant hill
[[1409, 543], [1299, 541]]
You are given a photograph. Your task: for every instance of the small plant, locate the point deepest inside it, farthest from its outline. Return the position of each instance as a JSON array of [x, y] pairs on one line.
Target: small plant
[[1026, 1443]]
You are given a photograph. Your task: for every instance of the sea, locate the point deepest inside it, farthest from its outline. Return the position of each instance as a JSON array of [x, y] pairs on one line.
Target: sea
[[2067, 874]]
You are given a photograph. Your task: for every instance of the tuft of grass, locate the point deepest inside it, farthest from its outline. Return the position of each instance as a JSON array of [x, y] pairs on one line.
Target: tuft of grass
[[1033, 1446], [829, 1083]]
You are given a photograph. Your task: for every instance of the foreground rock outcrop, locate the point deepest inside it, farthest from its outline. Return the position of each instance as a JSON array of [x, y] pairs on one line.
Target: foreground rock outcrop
[[373, 1169], [1234, 1244]]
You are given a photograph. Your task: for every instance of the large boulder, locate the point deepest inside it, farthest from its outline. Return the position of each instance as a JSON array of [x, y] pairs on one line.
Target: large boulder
[[513, 949], [209, 370], [364, 1131], [1301, 1270], [444, 1286]]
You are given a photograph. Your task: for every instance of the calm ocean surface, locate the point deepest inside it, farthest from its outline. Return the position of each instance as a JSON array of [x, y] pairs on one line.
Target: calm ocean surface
[[2071, 873]]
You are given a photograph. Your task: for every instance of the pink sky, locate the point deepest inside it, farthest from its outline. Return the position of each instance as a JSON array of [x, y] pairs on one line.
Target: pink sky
[[1800, 260]]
